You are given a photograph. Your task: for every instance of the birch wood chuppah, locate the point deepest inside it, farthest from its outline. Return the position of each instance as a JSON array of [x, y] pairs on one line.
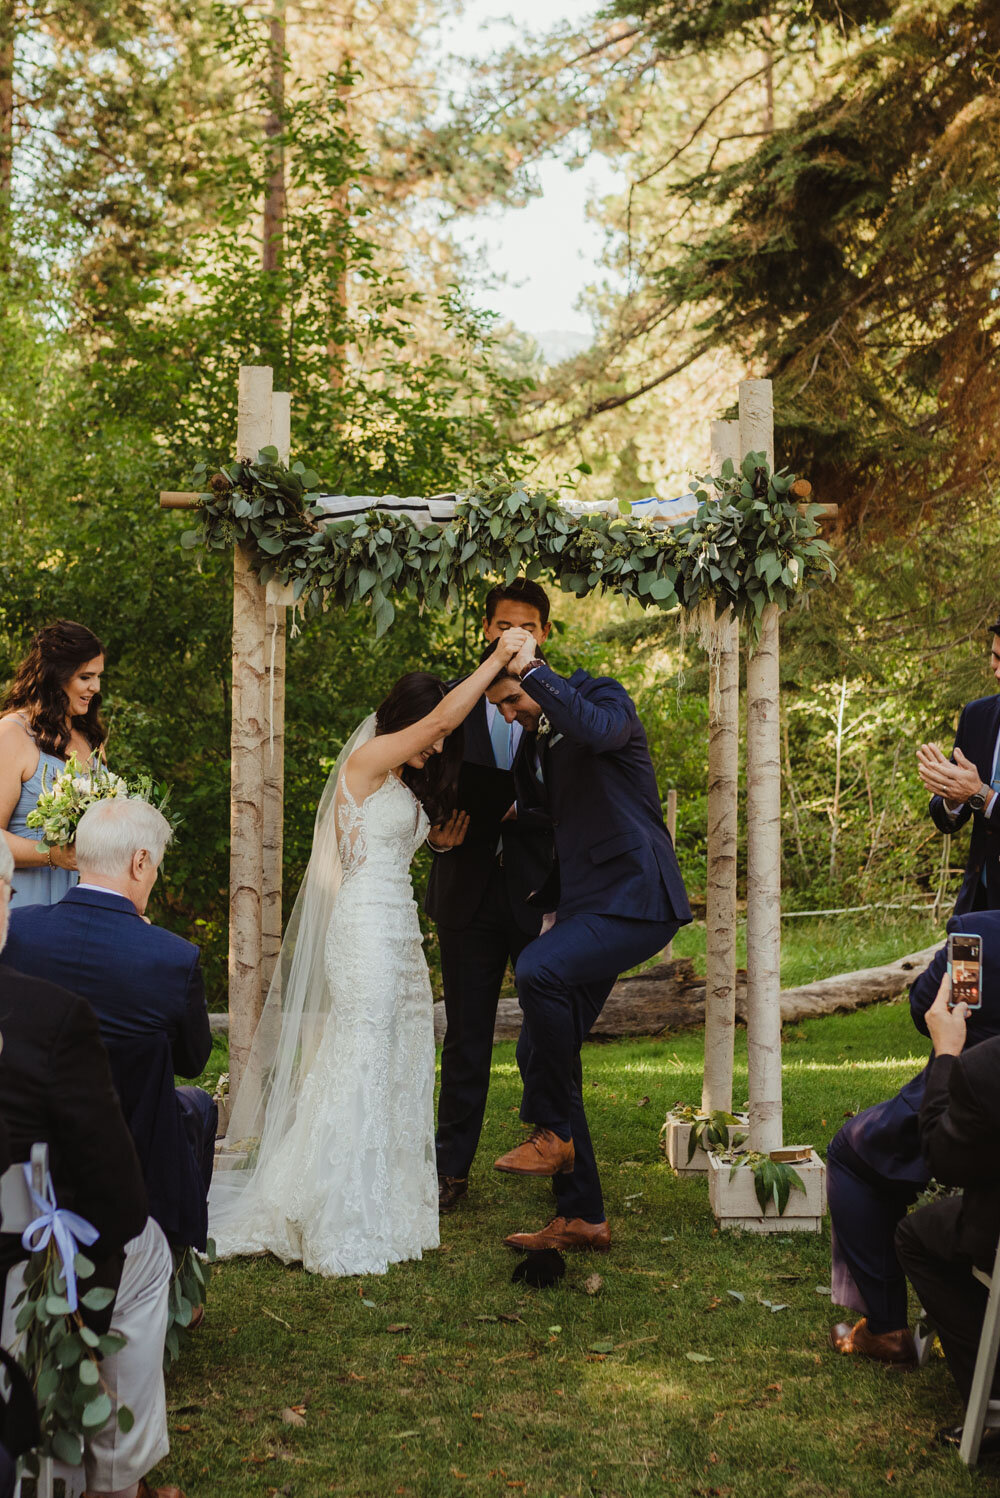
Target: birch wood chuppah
[[257, 777]]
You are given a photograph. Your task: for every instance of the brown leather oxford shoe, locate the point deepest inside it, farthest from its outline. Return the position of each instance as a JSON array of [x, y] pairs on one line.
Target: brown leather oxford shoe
[[563, 1232], [542, 1154], [895, 1348]]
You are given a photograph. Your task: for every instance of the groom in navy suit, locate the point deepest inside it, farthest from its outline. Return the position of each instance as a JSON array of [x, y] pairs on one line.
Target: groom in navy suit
[[145, 987], [615, 898], [968, 786]]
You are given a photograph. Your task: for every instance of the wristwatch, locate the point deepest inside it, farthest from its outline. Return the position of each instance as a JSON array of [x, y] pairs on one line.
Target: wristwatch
[[979, 799], [531, 666]]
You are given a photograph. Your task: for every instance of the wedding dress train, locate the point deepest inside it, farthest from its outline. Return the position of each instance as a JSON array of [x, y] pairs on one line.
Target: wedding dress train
[[351, 1184]]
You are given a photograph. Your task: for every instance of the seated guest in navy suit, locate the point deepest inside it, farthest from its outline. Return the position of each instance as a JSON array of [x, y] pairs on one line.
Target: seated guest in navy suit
[[967, 786], [877, 1167], [56, 1089], [145, 986]]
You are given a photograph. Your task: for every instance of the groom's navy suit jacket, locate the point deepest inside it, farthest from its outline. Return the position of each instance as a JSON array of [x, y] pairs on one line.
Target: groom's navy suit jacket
[[887, 1136], [145, 987], [614, 854], [976, 736]]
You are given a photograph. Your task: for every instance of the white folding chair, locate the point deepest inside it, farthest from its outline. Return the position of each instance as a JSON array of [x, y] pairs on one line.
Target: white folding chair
[[16, 1211], [983, 1413]]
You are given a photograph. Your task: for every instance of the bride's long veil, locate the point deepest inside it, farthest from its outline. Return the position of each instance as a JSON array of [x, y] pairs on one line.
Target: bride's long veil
[[294, 1017]]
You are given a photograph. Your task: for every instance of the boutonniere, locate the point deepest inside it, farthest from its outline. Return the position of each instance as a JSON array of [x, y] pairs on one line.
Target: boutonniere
[[544, 727]]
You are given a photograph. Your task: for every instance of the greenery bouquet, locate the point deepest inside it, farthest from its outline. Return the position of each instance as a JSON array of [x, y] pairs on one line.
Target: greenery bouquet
[[61, 804]]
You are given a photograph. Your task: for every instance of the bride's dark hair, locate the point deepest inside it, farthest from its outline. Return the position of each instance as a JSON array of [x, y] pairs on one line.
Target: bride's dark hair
[[436, 786], [56, 654]]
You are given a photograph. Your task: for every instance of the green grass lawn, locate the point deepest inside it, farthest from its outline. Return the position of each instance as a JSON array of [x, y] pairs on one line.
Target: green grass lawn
[[445, 1378], [819, 948]]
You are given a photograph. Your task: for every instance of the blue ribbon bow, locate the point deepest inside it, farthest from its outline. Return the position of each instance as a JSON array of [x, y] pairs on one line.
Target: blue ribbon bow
[[69, 1229]]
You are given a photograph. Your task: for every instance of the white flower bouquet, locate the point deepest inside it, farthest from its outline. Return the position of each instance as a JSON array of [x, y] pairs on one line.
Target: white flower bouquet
[[61, 804]]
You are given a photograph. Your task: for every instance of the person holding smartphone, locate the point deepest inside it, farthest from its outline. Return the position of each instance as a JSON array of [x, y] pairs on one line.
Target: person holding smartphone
[[876, 1166], [967, 787]]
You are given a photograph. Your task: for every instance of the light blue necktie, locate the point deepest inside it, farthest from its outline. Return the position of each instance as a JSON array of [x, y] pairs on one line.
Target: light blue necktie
[[994, 786], [502, 738]]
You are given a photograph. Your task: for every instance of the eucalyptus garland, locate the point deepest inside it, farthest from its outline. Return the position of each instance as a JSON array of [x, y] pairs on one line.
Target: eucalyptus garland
[[749, 544], [62, 1357]]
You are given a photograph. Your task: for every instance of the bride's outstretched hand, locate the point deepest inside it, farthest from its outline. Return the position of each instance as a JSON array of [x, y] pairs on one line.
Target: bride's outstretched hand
[[510, 642]]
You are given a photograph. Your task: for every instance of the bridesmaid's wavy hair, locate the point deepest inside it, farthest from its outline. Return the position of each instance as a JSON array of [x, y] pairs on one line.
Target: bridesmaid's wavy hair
[[57, 652], [436, 786]]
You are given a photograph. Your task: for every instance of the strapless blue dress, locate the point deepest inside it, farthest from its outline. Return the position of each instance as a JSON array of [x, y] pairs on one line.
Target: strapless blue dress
[[38, 886]]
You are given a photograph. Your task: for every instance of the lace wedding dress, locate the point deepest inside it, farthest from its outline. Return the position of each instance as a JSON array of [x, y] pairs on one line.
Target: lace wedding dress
[[351, 1184]]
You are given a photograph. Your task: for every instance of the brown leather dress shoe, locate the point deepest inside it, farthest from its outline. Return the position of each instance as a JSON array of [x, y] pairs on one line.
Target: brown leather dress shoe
[[564, 1232], [542, 1154], [451, 1189], [145, 1491], [895, 1348]]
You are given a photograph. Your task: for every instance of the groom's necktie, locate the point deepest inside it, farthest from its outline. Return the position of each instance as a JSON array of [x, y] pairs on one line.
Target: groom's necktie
[[502, 739]]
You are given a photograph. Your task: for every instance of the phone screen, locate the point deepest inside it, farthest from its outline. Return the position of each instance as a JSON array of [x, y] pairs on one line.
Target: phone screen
[[965, 966]]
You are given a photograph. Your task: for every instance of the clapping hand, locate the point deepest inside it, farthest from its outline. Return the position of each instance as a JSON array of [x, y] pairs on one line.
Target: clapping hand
[[945, 1025], [955, 782]]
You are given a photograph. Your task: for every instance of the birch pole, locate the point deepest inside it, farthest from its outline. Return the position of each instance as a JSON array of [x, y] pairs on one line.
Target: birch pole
[[763, 828], [723, 787], [274, 746], [253, 432]]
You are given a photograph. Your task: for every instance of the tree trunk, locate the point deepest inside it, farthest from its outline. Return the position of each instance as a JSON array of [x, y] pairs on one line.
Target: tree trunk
[[835, 816], [723, 786], [248, 743], [763, 828], [274, 125], [8, 32]]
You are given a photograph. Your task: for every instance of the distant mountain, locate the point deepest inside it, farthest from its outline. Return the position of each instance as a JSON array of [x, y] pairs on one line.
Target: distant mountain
[[556, 345]]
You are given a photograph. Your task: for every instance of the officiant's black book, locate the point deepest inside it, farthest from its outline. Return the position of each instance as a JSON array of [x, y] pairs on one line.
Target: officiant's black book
[[487, 794]]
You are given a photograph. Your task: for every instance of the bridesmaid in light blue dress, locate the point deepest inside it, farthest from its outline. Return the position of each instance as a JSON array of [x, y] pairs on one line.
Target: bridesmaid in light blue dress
[[50, 711]]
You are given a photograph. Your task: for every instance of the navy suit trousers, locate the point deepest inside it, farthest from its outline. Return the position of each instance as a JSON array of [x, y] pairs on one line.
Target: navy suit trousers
[[865, 1210], [200, 1116], [563, 980]]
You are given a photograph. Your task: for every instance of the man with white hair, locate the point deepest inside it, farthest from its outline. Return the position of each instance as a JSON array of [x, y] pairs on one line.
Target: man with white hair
[[56, 1088], [145, 986]]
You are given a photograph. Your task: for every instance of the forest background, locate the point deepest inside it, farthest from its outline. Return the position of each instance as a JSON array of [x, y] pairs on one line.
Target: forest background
[[809, 194]]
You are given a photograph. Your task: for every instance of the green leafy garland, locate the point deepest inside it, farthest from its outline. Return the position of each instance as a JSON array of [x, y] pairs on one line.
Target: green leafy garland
[[748, 545], [61, 1357]]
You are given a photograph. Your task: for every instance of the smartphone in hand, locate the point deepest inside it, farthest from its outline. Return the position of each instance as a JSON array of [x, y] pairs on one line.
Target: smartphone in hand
[[965, 965]]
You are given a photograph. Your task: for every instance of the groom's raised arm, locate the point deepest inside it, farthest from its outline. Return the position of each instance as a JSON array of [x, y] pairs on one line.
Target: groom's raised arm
[[602, 720]]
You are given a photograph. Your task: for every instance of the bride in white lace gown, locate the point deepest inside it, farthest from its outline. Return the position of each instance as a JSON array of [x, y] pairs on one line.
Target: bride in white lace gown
[[338, 1088]]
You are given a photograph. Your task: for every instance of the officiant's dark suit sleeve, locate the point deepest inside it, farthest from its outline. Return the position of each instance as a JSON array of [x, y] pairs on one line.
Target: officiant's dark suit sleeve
[[56, 1088], [976, 736]]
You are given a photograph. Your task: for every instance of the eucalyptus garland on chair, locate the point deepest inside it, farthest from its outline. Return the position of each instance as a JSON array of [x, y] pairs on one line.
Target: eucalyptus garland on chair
[[749, 544], [61, 1357]]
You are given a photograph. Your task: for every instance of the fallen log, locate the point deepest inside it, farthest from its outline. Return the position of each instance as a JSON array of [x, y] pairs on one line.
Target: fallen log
[[671, 996]]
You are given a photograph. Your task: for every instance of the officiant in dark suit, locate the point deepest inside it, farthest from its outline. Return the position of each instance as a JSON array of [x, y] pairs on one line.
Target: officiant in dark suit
[[478, 897], [144, 985], [968, 787], [616, 898]]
